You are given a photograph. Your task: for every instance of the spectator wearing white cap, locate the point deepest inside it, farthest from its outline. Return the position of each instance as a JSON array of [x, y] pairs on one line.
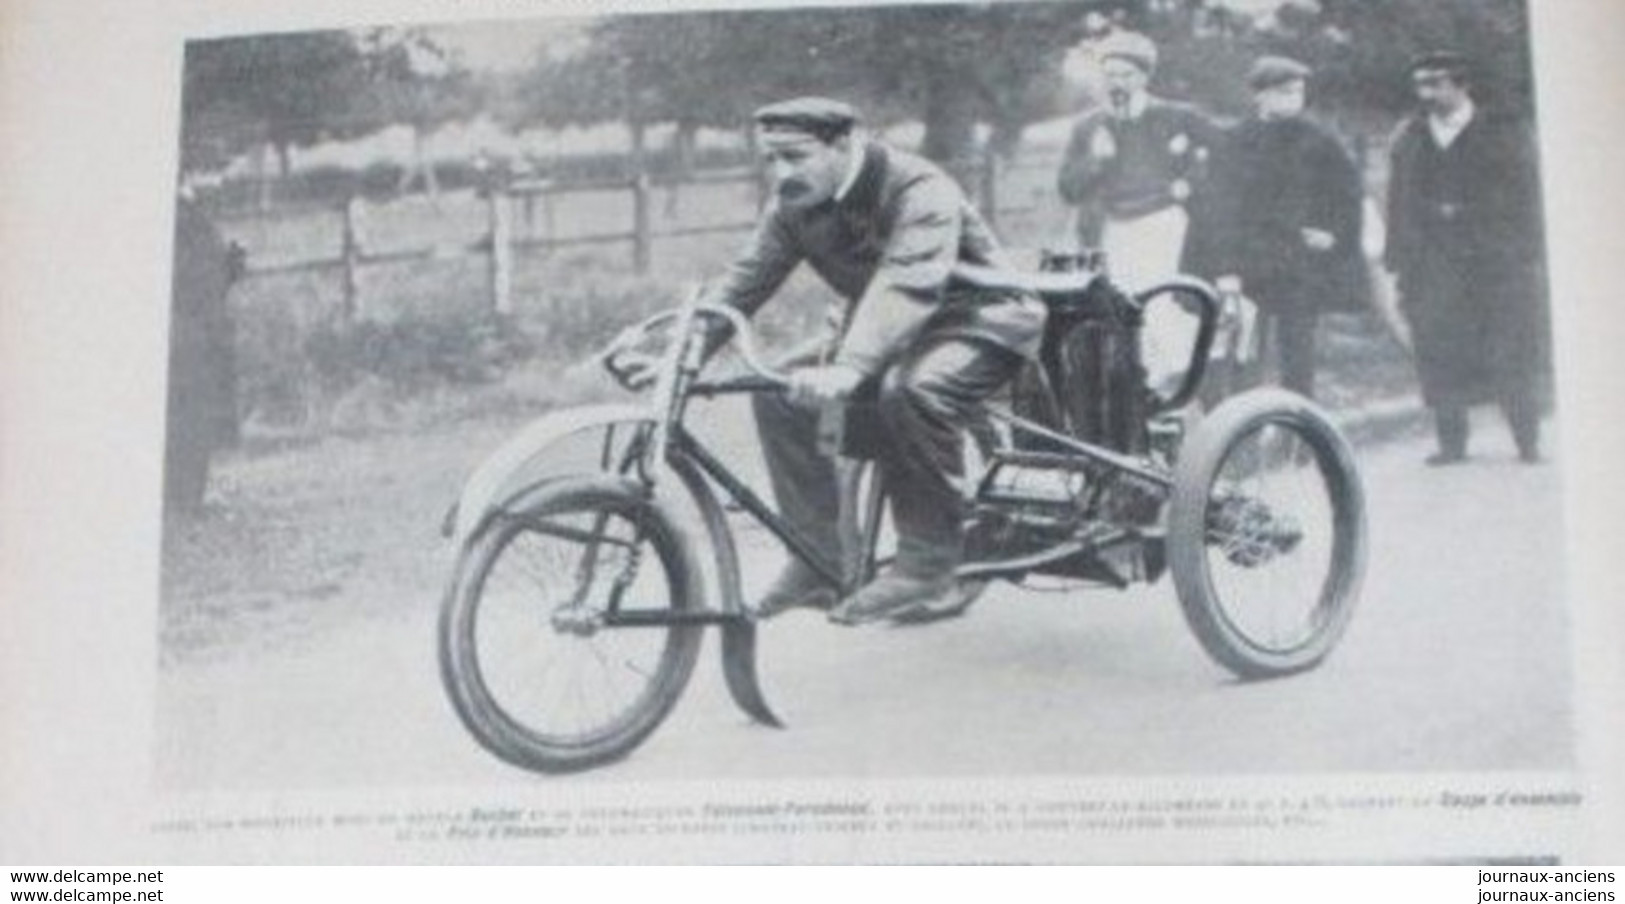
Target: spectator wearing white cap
[[1130, 168]]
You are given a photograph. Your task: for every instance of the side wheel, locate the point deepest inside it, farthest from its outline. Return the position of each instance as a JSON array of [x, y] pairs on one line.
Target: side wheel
[[556, 643], [1267, 534]]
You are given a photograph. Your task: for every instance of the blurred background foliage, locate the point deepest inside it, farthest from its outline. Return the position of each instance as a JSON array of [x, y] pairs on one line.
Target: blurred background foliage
[[963, 81], [1000, 65]]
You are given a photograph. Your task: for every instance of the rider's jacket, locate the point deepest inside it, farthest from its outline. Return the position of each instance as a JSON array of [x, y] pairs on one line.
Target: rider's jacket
[[887, 247]]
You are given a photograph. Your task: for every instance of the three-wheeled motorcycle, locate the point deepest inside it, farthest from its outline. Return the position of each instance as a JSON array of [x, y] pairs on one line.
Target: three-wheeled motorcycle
[[595, 548]]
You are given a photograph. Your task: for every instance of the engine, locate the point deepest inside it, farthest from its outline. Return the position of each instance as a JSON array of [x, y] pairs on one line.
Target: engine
[[1090, 382], [1045, 488]]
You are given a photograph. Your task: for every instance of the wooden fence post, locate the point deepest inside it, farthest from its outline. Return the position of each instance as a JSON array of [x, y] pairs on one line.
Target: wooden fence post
[[762, 184], [642, 238], [351, 305], [501, 260], [550, 220], [988, 187]]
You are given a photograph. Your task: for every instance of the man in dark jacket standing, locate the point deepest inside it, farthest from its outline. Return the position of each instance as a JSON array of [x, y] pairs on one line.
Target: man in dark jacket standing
[[1281, 222], [202, 412], [1464, 241], [884, 229]]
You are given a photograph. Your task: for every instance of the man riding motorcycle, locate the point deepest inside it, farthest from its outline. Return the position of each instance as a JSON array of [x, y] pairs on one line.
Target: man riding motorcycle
[[884, 229]]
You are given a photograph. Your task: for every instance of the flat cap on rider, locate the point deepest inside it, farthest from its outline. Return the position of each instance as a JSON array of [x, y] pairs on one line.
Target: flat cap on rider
[[815, 117]]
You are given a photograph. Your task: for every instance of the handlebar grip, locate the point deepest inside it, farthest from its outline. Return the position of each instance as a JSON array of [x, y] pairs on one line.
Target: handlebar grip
[[734, 324], [623, 374], [611, 364]]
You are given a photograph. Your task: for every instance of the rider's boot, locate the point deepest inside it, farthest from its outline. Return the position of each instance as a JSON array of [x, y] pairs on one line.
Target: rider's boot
[[922, 577], [798, 586]]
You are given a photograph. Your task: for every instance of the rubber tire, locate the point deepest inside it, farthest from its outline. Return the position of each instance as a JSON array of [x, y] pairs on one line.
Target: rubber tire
[[1199, 461], [494, 728]]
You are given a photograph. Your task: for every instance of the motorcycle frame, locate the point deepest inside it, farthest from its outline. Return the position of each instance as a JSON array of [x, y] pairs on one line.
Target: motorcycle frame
[[673, 443], [667, 441]]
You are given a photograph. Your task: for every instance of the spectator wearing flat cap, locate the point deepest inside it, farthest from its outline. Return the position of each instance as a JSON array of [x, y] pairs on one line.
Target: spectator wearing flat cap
[[1464, 241], [1281, 222], [884, 229], [1130, 168]]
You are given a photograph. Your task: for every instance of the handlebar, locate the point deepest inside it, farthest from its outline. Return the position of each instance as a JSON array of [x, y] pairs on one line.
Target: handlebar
[[769, 378], [763, 377]]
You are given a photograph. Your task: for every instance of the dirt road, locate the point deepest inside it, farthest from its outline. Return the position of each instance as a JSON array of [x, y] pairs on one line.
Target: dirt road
[[1456, 660]]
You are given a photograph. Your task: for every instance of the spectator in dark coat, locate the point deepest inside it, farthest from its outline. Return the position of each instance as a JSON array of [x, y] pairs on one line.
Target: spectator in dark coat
[[1464, 241], [202, 415], [1281, 223]]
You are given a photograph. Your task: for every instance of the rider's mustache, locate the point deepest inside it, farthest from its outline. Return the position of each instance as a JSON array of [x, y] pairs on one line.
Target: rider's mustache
[[791, 189]]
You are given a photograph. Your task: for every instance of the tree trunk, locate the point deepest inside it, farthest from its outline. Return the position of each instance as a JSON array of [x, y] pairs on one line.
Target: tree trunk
[[638, 161], [420, 153], [262, 176], [284, 160], [642, 234], [682, 144], [950, 126], [421, 168], [762, 185], [1005, 142]]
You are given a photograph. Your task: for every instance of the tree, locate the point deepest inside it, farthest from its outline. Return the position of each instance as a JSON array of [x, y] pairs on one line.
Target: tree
[[1359, 49], [279, 91], [950, 66], [412, 79], [1373, 41], [960, 66]]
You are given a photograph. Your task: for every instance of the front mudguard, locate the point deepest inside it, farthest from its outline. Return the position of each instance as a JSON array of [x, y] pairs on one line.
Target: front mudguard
[[516, 468], [513, 468]]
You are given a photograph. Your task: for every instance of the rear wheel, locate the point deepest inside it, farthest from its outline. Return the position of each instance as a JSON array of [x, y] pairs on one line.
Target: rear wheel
[[1267, 534], [556, 643]]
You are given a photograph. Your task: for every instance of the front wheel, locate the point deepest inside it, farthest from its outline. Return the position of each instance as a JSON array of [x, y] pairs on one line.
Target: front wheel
[[1267, 534], [557, 643]]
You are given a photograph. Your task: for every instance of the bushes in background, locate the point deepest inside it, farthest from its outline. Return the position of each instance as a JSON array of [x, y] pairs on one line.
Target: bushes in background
[[419, 354]]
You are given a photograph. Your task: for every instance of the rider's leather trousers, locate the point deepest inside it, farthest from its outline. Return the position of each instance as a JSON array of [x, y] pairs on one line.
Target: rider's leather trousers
[[923, 402]]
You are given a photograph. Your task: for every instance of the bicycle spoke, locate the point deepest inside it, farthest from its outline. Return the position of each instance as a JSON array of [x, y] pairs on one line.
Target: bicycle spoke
[[1271, 564], [543, 606]]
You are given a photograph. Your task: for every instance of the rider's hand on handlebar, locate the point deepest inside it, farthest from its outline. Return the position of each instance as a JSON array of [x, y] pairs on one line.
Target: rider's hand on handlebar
[[634, 370], [819, 385]]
